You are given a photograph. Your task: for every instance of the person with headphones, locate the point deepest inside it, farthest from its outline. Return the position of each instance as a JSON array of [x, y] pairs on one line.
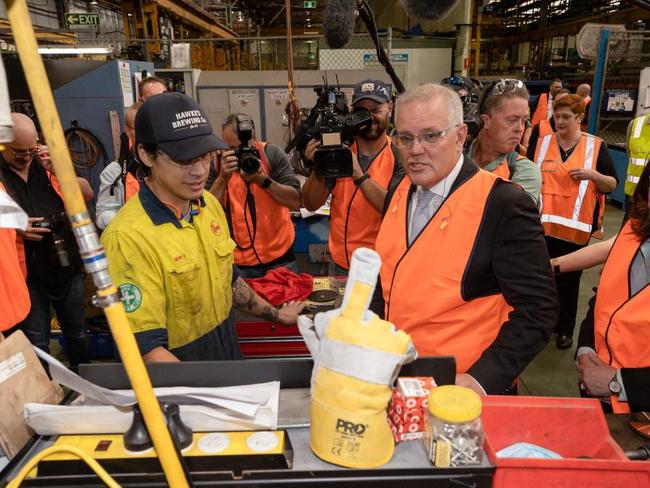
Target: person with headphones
[[257, 203], [504, 110]]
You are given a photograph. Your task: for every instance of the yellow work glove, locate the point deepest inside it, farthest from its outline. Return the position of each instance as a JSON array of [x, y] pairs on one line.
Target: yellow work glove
[[357, 357]]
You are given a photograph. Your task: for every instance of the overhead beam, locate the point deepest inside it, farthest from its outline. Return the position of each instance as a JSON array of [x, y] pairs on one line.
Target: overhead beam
[[195, 15]]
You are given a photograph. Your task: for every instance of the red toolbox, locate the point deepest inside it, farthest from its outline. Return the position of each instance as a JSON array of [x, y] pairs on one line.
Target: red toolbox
[[575, 428], [260, 339]]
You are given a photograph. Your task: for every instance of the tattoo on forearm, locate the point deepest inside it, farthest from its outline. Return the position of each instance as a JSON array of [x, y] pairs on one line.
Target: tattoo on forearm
[[243, 296], [269, 313]]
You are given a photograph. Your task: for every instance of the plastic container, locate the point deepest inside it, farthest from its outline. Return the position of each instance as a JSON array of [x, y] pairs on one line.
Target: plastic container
[[575, 428], [453, 432]]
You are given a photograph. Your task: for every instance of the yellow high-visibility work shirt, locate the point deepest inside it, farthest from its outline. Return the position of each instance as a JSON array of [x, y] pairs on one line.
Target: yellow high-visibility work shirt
[[175, 277]]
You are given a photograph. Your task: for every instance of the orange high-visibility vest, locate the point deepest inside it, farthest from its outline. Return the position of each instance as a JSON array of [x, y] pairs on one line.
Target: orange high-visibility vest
[[267, 237], [354, 222], [545, 128], [14, 296], [567, 206], [621, 321], [422, 282], [541, 112], [503, 169], [132, 187]]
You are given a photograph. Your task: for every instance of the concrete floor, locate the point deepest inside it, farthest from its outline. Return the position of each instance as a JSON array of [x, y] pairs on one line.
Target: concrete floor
[[552, 372]]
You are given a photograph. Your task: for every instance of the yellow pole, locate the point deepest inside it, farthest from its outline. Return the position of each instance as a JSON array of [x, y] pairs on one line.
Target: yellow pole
[[91, 251]]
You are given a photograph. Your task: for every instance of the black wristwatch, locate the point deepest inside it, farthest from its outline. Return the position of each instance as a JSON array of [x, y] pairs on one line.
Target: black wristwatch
[[614, 386], [361, 179], [266, 182]]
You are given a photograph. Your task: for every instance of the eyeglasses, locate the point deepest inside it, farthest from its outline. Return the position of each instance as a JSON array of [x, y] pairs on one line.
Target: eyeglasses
[[24, 155], [426, 139], [186, 165]]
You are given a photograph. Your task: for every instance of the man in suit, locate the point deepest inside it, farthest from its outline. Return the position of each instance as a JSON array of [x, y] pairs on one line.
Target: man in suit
[[465, 269]]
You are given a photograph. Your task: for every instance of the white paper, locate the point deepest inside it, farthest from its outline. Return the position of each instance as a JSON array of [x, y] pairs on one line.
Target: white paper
[[125, 81], [11, 215], [243, 400], [47, 419]]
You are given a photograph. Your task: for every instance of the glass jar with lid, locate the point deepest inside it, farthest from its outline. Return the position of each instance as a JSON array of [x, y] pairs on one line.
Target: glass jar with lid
[[453, 432]]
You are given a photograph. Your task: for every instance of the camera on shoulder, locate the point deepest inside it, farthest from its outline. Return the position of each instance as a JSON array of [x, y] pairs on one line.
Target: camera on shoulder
[[331, 122], [248, 156]]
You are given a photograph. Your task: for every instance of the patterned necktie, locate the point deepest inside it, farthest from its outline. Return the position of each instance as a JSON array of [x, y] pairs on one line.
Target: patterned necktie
[[421, 215]]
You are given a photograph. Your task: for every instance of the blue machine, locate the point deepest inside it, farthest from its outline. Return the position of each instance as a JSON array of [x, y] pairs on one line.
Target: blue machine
[[88, 99]]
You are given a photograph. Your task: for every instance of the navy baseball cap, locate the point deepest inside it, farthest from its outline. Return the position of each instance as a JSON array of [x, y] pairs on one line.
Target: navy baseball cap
[[373, 89], [177, 125]]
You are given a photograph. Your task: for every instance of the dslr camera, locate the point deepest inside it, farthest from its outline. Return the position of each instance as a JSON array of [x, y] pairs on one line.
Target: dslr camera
[[331, 121], [248, 157], [58, 225]]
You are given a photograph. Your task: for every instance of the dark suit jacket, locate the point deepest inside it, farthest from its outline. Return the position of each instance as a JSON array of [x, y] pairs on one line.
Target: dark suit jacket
[[509, 257], [635, 380]]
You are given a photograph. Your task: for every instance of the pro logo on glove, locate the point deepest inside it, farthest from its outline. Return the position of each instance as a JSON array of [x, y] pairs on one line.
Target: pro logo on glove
[[345, 427]]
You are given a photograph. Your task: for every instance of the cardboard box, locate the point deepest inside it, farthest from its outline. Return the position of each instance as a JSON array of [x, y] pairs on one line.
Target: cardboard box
[[408, 406], [22, 380]]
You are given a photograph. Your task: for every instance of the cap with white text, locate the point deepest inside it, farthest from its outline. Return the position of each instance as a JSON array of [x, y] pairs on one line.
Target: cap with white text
[[372, 89], [177, 125]]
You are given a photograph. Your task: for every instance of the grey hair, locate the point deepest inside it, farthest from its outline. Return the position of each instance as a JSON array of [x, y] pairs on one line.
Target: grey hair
[[430, 91]]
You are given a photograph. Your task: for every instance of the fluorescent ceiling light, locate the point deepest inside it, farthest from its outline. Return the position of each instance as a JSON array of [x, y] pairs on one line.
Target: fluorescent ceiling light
[[75, 50]]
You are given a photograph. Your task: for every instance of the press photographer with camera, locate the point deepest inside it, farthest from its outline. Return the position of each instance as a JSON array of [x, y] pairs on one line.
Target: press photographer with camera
[[503, 108], [54, 277], [357, 200], [255, 184]]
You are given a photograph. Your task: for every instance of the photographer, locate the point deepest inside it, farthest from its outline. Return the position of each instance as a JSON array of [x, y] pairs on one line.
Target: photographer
[[504, 110], [256, 186], [54, 277], [357, 201]]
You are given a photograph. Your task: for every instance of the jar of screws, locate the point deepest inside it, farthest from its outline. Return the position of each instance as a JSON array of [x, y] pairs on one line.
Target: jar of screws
[[453, 432]]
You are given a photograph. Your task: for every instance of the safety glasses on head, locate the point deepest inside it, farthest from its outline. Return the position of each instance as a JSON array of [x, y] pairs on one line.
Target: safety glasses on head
[[501, 87]]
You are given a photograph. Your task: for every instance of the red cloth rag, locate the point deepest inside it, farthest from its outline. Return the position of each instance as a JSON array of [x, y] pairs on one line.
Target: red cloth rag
[[281, 285]]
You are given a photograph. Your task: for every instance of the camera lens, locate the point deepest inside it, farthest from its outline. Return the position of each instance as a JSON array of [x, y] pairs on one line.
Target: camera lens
[[249, 164]]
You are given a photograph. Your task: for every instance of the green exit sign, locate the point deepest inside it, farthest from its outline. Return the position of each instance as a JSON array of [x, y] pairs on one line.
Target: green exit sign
[[77, 19], [309, 3]]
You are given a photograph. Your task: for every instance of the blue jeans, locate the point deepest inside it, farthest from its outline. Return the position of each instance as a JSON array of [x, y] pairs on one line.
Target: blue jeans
[[68, 303]]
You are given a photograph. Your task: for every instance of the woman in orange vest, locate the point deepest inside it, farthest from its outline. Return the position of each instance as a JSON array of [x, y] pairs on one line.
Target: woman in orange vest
[[614, 344], [577, 172]]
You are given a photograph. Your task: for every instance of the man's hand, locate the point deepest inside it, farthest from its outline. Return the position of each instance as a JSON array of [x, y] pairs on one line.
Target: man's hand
[[468, 381], [288, 313], [357, 172], [595, 375], [229, 165], [310, 150], [33, 233], [43, 156], [580, 174]]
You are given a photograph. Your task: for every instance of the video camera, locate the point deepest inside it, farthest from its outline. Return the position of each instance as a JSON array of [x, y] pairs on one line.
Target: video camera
[[248, 157], [331, 121], [57, 224], [469, 91]]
